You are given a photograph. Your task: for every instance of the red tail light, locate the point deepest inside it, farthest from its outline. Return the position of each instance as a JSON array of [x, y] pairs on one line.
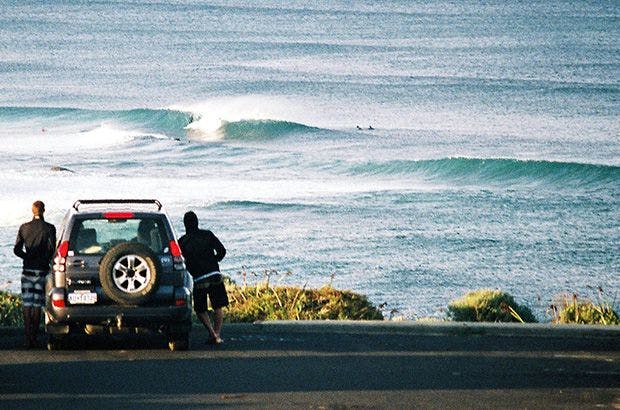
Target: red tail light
[[60, 260], [175, 250], [178, 263], [179, 302], [59, 303], [58, 298], [63, 249]]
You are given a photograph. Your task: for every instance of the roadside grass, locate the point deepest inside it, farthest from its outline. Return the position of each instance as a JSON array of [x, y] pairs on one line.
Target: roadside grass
[[488, 305], [10, 309], [260, 302], [576, 310], [263, 300]]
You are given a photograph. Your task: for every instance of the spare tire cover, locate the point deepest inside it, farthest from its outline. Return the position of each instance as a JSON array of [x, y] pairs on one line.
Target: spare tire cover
[[129, 273]]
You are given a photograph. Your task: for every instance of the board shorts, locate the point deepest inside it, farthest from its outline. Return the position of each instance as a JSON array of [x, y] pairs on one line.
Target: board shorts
[[33, 288], [211, 286]]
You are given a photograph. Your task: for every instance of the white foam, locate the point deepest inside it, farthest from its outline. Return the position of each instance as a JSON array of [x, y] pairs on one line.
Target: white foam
[[66, 139], [102, 136], [212, 114]]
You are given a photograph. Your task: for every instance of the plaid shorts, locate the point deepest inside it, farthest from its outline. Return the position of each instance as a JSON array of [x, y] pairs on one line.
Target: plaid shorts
[[33, 288]]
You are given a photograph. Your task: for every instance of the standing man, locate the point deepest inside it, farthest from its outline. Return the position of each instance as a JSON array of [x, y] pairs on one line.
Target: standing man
[[202, 251], [35, 244]]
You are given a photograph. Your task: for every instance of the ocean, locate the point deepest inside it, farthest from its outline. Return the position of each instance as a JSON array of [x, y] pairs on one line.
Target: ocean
[[407, 150]]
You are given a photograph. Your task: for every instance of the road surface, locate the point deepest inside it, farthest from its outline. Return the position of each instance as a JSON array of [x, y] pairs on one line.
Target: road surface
[[320, 366]]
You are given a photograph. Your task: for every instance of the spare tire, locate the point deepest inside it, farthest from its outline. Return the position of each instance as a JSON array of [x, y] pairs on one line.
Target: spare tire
[[129, 273]]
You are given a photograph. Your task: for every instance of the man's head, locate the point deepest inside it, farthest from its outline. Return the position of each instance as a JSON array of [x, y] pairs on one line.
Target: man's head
[[190, 220], [38, 208]]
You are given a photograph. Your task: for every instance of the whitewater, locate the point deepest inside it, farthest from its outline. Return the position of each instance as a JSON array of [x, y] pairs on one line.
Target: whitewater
[[404, 150]]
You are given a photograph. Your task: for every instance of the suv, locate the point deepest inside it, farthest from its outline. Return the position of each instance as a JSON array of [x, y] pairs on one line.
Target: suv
[[118, 268]]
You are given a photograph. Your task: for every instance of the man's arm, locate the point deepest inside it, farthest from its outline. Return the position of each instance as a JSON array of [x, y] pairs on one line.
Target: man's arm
[[51, 245], [220, 251], [19, 245]]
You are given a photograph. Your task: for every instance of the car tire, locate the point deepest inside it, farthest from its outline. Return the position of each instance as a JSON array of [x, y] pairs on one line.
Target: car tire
[[129, 273], [57, 342]]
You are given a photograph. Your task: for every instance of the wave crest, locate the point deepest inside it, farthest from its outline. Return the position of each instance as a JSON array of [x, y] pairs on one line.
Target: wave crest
[[247, 130], [144, 121], [497, 170]]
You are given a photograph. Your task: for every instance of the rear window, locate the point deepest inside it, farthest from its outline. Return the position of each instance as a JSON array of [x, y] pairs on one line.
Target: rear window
[[97, 236]]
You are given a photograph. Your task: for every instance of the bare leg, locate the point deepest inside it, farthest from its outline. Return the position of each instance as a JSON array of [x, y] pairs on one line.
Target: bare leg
[[218, 318], [27, 326], [35, 321], [204, 318]]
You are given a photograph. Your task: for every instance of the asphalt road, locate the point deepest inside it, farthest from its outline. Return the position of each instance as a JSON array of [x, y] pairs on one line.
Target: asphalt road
[[319, 367]]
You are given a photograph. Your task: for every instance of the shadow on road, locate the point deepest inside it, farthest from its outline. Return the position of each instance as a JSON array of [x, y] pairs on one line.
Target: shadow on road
[[266, 366]]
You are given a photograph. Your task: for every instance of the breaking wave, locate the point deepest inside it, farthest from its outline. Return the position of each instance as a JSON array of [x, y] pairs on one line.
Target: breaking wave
[[262, 129], [170, 123]]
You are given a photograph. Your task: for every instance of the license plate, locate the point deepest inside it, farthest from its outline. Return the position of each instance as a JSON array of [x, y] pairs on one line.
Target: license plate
[[82, 297]]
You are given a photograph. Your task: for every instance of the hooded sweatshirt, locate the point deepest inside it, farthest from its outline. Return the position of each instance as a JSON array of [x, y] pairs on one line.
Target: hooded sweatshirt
[[202, 251]]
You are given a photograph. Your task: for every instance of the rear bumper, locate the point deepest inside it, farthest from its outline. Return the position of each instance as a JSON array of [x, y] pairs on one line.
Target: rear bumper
[[171, 318]]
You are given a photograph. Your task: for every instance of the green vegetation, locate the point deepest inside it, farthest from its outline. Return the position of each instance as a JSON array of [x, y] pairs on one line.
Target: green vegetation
[[584, 311], [488, 305], [264, 302], [10, 309]]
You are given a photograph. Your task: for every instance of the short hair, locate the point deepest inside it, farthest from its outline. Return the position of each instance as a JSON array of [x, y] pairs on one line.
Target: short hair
[[38, 208]]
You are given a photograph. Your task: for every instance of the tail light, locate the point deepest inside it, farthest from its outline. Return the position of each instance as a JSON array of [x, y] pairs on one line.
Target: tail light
[[178, 263], [182, 296], [60, 266], [58, 298], [60, 261]]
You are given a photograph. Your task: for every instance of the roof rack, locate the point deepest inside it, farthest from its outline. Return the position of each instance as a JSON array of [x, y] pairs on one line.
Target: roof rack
[[79, 202]]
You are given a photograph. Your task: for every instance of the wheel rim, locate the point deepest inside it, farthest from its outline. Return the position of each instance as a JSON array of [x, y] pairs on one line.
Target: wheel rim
[[131, 273]]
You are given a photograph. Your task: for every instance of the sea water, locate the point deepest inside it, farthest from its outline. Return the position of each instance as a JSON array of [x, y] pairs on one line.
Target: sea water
[[410, 151]]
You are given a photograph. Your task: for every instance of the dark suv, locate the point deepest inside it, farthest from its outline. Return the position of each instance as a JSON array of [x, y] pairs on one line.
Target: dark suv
[[118, 268]]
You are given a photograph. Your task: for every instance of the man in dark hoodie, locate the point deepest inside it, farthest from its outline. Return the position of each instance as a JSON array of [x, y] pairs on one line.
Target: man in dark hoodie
[[202, 252], [35, 244]]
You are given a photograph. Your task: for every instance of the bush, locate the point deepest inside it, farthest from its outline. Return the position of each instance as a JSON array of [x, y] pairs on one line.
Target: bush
[[487, 305], [583, 311], [264, 302], [10, 309]]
